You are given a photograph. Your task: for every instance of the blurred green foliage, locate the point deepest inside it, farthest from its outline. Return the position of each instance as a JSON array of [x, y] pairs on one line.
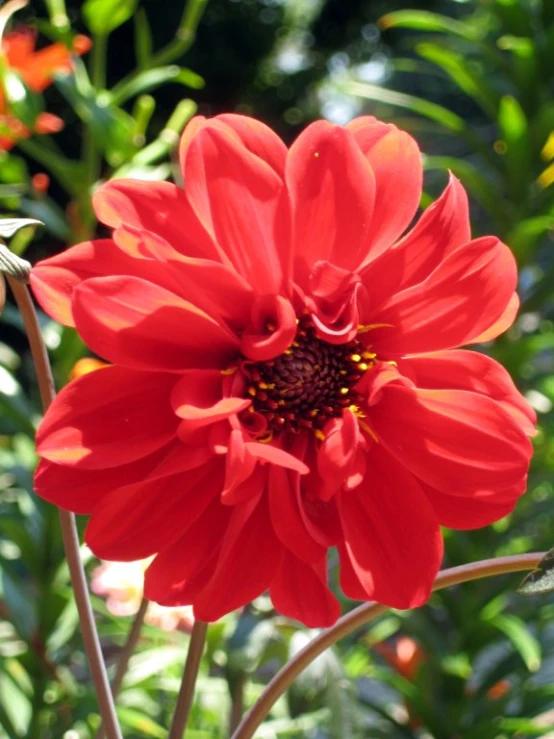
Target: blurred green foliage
[[474, 81]]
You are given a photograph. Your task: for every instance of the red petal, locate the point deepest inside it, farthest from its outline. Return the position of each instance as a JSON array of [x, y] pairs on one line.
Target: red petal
[[442, 228], [271, 330], [159, 207], [391, 534], [239, 200], [332, 190], [465, 370], [463, 297], [174, 576], [141, 519], [456, 441], [300, 591], [69, 488], [473, 512], [249, 556], [198, 398], [108, 418], [503, 323], [258, 138], [395, 160], [287, 518], [136, 323]]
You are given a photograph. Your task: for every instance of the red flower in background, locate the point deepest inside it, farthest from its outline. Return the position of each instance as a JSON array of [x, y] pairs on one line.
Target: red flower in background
[[285, 377], [37, 70]]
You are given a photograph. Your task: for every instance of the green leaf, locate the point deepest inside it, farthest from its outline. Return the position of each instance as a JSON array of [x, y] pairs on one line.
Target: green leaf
[[104, 16], [422, 20], [469, 80], [434, 112], [152, 78], [540, 580], [524, 642]]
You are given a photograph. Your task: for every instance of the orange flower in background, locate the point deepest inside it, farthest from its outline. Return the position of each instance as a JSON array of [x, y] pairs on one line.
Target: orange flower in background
[[37, 70], [405, 656]]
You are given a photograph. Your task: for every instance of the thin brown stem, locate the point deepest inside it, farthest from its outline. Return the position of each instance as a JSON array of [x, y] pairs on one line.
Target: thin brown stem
[[126, 654], [186, 693], [67, 523], [361, 616]]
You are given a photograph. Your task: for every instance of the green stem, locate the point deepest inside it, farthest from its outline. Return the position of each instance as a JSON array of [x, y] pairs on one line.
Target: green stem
[[67, 522], [184, 38], [186, 693], [55, 163], [361, 616], [58, 14]]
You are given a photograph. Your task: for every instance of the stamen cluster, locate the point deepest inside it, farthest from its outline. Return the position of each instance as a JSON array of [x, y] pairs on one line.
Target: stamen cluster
[[311, 382]]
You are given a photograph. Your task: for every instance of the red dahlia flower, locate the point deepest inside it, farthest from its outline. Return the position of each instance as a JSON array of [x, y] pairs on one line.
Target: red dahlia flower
[[285, 377]]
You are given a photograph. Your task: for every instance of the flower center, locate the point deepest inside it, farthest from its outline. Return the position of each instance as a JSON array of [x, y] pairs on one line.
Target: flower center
[[311, 382]]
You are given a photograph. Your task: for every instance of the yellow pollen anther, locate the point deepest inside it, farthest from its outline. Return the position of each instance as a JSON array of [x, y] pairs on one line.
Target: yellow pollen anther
[[355, 357], [392, 363], [368, 355], [229, 370], [362, 366], [252, 391], [318, 433], [356, 411], [344, 390]]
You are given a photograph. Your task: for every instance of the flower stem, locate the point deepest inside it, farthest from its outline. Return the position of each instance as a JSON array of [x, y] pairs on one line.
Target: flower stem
[[186, 693], [126, 654], [67, 522], [361, 616]]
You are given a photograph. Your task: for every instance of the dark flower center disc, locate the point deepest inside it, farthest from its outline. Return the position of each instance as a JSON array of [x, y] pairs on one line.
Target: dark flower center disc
[[311, 382]]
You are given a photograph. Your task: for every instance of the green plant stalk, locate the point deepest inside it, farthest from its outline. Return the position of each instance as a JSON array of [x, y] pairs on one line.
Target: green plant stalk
[[361, 616], [58, 14], [67, 523], [186, 692], [51, 161], [184, 38]]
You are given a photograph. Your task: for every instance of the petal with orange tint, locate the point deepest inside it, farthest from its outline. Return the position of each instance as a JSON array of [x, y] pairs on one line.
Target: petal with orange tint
[[395, 159], [159, 207], [502, 324], [392, 537], [455, 440], [69, 488], [465, 370], [300, 591], [258, 138], [135, 323], [332, 191], [463, 297], [240, 201], [108, 418], [53, 280]]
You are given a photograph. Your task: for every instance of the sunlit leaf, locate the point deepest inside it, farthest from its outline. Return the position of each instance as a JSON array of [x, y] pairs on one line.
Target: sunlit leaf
[[422, 20], [525, 643], [103, 16], [540, 580], [434, 112]]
